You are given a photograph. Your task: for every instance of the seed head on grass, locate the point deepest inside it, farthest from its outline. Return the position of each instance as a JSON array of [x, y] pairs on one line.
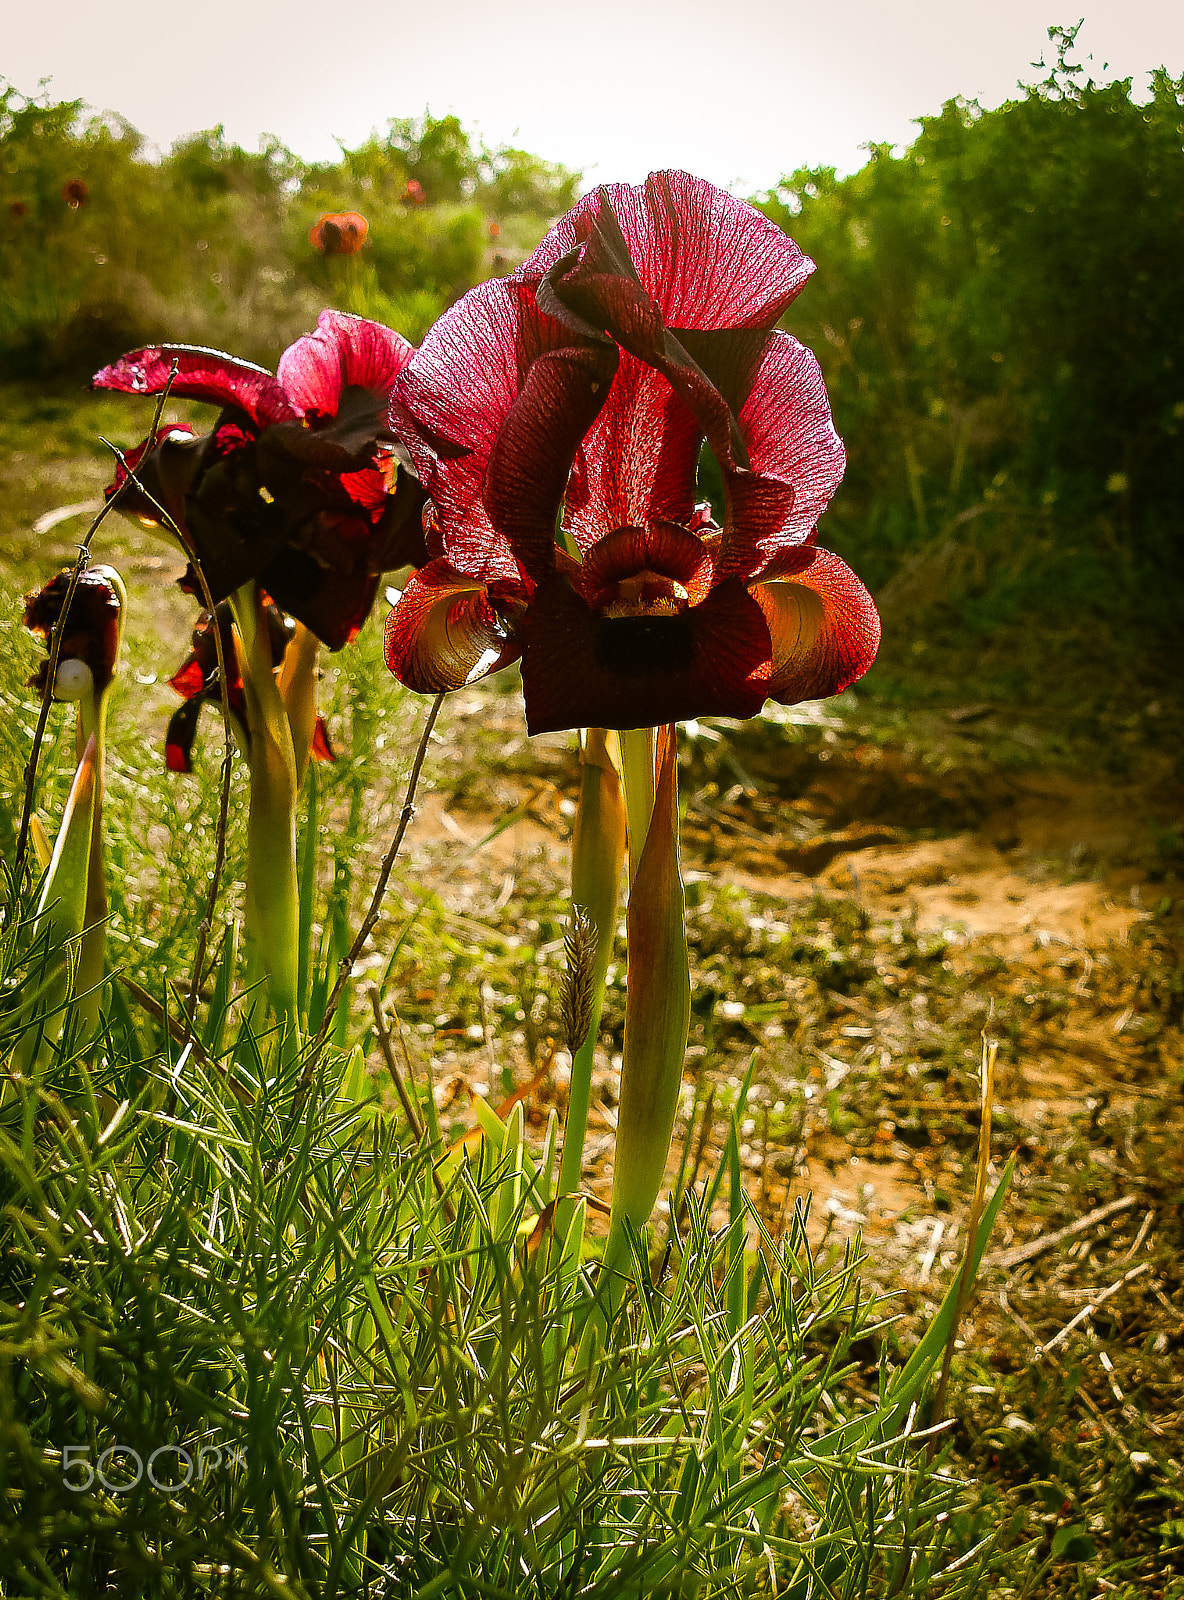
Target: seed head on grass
[[579, 946]]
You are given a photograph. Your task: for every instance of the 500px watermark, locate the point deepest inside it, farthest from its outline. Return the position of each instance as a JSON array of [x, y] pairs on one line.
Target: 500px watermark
[[120, 1469]]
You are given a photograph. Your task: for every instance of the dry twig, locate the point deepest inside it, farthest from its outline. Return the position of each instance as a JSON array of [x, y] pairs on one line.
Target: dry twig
[[1020, 1253]]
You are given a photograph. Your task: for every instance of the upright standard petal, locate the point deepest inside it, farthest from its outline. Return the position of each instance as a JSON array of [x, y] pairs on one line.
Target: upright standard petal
[[202, 374], [637, 463], [345, 350], [708, 259], [452, 402]]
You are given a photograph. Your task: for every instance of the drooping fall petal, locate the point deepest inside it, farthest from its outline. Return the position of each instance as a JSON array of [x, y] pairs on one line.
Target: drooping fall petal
[[823, 625], [445, 631], [582, 669]]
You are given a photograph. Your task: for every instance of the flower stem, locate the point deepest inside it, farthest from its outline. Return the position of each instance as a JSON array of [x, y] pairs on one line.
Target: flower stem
[[637, 775], [597, 855], [92, 722], [658, 1002], [273, 919]]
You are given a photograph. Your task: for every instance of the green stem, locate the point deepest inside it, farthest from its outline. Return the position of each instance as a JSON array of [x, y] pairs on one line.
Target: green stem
[[658, 1000], [272, 908], [92, 720], [597, 856], [637, 776]]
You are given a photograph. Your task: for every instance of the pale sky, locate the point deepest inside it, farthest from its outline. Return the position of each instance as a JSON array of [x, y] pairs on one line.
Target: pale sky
[[738, 91]]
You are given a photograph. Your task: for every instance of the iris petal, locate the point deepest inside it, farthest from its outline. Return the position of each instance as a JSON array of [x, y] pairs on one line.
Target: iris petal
[[637, 463], [445, 631], [316, 370], [201, 375], [582, 669], [708, 259], [823, 626]]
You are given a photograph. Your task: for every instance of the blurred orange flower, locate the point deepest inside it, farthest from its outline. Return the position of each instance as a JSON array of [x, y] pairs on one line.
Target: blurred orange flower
[[339, 233]]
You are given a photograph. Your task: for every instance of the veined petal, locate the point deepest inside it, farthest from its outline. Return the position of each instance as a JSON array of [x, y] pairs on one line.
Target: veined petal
[[626, 557], [531, 458], [582, 669], [637, 463], [708, 259], [445, 631], [315, 371], [786, 422], [201, 375], [448, 407], [823, 625]]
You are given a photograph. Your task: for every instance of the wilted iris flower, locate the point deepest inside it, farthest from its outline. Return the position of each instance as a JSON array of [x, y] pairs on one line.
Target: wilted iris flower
[[196, 681], [73, 903], [89, 649], [339, 233], [556, 419], [295, 487]]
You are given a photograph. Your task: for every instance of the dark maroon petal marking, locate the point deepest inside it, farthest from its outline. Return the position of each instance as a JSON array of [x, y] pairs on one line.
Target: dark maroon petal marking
[[823, 626], [345, 350], [582, 669], [332, 605], [201, 375], [444, 628]]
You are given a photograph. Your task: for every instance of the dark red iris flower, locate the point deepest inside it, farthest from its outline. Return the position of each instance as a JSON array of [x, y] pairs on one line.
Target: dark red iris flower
[[292, 487], [339, 233], [575, 396], [196, 681]]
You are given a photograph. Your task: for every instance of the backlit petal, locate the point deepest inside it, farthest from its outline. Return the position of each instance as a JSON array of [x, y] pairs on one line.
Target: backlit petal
[[344, 350], [493, 359], [445, 631], [448, 407], [823, 625], [637, 463], [708, 259], [201, 375]]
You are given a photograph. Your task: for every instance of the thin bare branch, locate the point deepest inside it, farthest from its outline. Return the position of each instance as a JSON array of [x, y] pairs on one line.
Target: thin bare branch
[[55, 650]]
